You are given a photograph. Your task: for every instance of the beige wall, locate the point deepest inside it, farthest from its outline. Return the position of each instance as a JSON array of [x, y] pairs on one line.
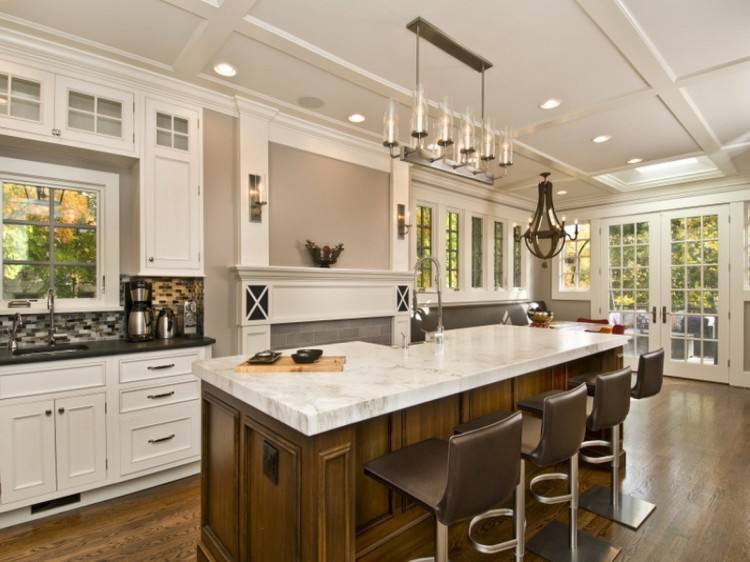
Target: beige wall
[[327, 201], [219, 178], [541, 289]]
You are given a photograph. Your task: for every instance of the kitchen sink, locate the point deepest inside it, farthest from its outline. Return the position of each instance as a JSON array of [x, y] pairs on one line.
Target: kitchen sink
[[51, 349]]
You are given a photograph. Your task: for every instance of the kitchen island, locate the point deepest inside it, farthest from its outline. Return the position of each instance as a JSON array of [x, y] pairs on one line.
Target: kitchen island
[[283, 452]]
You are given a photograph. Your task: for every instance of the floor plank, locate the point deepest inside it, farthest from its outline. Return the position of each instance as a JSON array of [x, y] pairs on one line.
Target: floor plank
[[687, 452]]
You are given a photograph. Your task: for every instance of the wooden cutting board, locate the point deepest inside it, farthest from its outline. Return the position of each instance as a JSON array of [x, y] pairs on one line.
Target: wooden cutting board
[[326, 364]]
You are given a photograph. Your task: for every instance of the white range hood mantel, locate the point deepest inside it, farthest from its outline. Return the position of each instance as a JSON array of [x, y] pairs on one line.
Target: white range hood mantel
[[271, 295], [316, 274]]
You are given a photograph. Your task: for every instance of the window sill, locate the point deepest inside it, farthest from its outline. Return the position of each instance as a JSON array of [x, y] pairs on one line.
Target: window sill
[[61, 309], [584, 295]]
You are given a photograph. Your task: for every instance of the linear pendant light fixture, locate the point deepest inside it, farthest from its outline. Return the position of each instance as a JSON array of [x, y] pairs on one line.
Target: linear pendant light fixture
[[545, 236], [457, 150]]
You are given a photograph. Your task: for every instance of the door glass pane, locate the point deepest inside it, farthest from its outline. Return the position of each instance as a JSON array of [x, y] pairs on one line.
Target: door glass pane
[[83, 102], [629, 282], [83, 121], [24, 109], [694, 289], [109, 108], [109, 127], [181, 142], [25, 89]]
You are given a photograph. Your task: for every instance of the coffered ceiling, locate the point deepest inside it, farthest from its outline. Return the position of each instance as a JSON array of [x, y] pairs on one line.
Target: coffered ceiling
[[664, 79]]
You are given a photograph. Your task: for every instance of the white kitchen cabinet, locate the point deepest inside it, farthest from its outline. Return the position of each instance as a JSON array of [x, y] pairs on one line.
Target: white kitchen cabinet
[[81, 439], [171, 194], [27, 444], [26, 99], [94, 114]]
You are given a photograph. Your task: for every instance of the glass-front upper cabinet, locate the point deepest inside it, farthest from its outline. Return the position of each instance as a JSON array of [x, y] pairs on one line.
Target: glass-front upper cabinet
[[94, 114], [26, 96]]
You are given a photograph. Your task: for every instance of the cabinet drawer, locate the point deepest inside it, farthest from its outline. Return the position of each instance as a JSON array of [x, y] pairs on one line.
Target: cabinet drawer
[[44, 380], [159, 436], [143, 369], [155, 396]]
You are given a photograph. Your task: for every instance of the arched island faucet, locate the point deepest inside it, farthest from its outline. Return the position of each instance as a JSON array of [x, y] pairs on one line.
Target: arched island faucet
[[439, 334]]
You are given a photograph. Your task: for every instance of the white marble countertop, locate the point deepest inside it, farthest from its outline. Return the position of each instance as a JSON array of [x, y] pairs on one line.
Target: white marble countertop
[[378, 379]]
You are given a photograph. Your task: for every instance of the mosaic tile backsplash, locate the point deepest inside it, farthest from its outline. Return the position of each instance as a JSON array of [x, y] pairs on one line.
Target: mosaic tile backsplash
[[88, 326]]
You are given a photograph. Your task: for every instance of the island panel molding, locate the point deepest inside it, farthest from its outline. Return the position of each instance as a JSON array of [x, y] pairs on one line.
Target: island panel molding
[[282, 295]]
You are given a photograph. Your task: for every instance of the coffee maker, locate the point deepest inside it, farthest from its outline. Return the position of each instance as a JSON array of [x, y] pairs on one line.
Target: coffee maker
[[139, 312]]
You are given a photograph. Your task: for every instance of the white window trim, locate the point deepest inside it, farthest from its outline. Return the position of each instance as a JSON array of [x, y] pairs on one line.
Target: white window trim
[[107, 186], [559, 293]]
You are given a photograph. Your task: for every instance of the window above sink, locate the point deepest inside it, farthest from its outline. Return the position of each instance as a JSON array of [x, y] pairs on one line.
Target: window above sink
[[59, 231]]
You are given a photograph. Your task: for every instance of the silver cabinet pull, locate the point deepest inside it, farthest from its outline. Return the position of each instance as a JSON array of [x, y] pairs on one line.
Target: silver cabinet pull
[[160, 367], [162, 395], [161, 439]]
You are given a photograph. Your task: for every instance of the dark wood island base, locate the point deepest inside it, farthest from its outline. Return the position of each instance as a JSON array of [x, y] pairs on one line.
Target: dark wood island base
[[270, 493]]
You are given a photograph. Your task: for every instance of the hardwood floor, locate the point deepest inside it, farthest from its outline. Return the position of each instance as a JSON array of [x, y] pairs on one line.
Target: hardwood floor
[[687, 451]]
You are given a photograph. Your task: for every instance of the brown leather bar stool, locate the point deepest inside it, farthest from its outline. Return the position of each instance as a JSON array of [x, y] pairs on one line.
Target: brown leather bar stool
[[519, 510], [553, 439], [456, 479], [612, 503]]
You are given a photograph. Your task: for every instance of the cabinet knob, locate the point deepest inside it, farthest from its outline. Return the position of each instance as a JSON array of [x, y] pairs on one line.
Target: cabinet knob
[[56, 132], [61, 410], [47, 413], [151, 259]]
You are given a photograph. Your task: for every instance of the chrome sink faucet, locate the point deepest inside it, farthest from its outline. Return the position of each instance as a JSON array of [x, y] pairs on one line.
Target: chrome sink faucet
[[13, 341], [440, 331], [51, 308]]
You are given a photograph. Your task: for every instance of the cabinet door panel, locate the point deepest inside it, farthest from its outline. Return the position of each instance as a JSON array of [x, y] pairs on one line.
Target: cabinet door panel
[[94, 114], [27, 450], [81, 440], [172, 200], [26, 99]]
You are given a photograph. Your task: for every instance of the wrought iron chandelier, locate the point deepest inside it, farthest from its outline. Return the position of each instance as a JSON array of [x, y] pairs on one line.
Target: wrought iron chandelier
[[456, 150], [545, 236]]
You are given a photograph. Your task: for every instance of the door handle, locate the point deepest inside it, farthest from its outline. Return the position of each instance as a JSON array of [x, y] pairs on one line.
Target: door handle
[[61, 410], [653, 314], [47, 413], [162, 395], [160, 367], [663, 314], [161, 439]]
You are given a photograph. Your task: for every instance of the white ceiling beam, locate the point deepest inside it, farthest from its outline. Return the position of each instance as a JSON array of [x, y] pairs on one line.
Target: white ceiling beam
[[623, 30], [210, 36]]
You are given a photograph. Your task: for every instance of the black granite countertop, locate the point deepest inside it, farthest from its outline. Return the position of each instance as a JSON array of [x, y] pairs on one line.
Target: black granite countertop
[[101, 348]]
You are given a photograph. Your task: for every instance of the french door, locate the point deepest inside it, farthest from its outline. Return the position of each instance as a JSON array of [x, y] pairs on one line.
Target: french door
[[667, 282], [632, 277], [695, 293]]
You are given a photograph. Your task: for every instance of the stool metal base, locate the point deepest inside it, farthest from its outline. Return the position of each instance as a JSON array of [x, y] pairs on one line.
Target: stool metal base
[[553, 543], [631, 512]]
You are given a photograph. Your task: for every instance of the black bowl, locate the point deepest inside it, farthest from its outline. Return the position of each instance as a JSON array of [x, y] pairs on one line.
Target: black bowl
[[307, 355]]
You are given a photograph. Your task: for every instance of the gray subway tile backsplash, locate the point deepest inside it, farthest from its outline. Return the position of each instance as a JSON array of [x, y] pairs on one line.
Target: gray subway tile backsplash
[[306, 334]]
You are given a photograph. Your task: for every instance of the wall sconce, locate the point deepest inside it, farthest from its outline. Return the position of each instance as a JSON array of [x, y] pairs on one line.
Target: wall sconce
[[255, 195], [402, 217]]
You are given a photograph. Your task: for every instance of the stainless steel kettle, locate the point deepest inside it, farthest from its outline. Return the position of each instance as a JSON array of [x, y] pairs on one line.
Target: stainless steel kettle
[[166, 324]]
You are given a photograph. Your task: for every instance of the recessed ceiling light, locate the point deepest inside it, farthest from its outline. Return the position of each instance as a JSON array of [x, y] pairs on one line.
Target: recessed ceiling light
[[635, 160], [551, 103], [356, 118], [601, 138], [562, 192], [225, 69]]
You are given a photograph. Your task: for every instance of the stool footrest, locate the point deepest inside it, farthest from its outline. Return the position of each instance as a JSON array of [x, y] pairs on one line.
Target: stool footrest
[[492, 548], [549, 500], [599, 459]]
